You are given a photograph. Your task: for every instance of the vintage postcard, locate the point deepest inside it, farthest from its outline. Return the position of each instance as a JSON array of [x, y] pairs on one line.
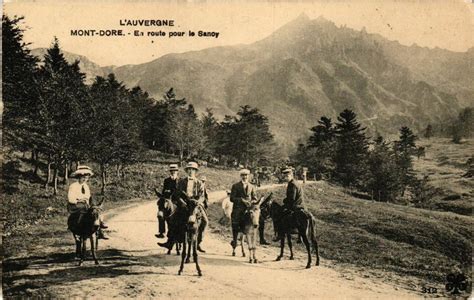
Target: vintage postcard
[[237, 149]]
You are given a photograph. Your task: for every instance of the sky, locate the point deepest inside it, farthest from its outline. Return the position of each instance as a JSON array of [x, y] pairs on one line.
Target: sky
[[432, 23]]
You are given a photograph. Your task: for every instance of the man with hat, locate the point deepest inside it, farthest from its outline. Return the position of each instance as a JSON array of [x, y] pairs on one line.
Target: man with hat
[[193, 189], [241, 195], [169, 186], [79, 195], [294, 192], [294, 196]]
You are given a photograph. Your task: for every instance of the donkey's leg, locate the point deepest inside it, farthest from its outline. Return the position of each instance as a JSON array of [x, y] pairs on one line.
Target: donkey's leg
[[254, 245], [290, 245], [316, 249], [183, 255], [234, 240], [308, 248], [195, 255], [83, 250], [93, 249], [190, 238], [249, 243], [78, 245], [242, 243], [282, 247]]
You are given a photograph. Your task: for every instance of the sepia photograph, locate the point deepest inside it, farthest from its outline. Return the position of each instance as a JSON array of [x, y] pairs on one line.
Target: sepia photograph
[[194, 149]]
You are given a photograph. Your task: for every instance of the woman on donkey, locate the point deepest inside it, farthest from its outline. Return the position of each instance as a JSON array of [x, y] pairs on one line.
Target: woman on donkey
[[79, 196]]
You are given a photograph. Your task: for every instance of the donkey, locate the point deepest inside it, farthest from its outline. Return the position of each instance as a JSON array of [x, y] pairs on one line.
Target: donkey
[[285, 224], [170, 209], [189, 234], [84, 225], [249, 227]]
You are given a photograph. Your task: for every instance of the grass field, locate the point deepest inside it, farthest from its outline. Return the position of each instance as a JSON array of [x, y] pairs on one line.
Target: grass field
[[445, 163], [404, 240]]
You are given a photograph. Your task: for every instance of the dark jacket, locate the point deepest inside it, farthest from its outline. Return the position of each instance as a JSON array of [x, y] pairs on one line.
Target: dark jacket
[[169, 186], [294, 196], [197, 194], [238, 193]]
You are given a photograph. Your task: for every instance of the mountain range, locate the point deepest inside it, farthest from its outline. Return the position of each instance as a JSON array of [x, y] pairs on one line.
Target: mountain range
[[309, 68]]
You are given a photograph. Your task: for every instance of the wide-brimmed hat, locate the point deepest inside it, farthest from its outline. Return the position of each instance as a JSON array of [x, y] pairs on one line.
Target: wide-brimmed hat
[[82, 171], [245, 172], [174, 167], [192, 165], [287, 170]]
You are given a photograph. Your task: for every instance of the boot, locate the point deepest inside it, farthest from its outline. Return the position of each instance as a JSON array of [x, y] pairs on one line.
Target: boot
[[200, 249], [103, 226], [160, 236], [166, 245], [264, 242], [101, 235]]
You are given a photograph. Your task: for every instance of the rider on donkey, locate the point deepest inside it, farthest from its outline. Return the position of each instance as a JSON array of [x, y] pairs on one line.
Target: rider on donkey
[[241, 195], [79, 196], [169, 187], [294, 201], [193, 189]]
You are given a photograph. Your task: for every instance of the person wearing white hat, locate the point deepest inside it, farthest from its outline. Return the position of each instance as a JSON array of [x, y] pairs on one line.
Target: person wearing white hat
[[79, 195], [241, 195], [194, 189], [169, 186]]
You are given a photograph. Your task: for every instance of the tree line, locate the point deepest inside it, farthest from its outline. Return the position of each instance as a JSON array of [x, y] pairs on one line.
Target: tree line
[[342, 152], [457, 129], [52, 113]]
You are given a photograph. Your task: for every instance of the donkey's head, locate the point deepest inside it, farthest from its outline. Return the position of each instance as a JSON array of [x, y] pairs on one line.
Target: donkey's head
[[265, 206], [194, 214]]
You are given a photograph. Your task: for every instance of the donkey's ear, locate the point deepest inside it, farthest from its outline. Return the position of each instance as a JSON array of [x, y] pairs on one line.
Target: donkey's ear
[[262, 199], [101, 201], [158, 193]]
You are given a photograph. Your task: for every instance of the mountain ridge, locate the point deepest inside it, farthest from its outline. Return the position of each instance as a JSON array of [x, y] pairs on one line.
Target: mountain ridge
[[308, 68]]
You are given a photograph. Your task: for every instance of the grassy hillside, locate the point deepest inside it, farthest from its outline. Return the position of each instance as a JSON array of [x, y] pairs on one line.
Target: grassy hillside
[[381, 236], [445, 163]]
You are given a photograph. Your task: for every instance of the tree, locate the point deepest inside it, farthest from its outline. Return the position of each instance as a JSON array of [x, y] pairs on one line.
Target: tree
[[19, 87], [114, 132], [210, 127], [383, 180], [428, 131], [254, 141], [351, 150], [184, 132], [61, 110], [405, 148], [318, 154]]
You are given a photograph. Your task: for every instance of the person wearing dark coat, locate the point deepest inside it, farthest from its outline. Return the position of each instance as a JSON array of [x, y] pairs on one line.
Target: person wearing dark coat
[[294, 192], [169, 186], [241, 195], [193, 188]]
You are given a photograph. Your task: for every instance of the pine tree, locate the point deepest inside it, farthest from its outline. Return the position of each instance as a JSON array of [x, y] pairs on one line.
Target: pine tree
[[61, 113], [318, 154], [351, 150], [383, 180], [405, 148], [19, 88]]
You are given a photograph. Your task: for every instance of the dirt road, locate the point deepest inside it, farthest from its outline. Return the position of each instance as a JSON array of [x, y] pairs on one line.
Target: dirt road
[[132, 265]]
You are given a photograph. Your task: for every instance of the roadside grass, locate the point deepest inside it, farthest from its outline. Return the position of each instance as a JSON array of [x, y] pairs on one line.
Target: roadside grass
[[445, 163], [404, 240]]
